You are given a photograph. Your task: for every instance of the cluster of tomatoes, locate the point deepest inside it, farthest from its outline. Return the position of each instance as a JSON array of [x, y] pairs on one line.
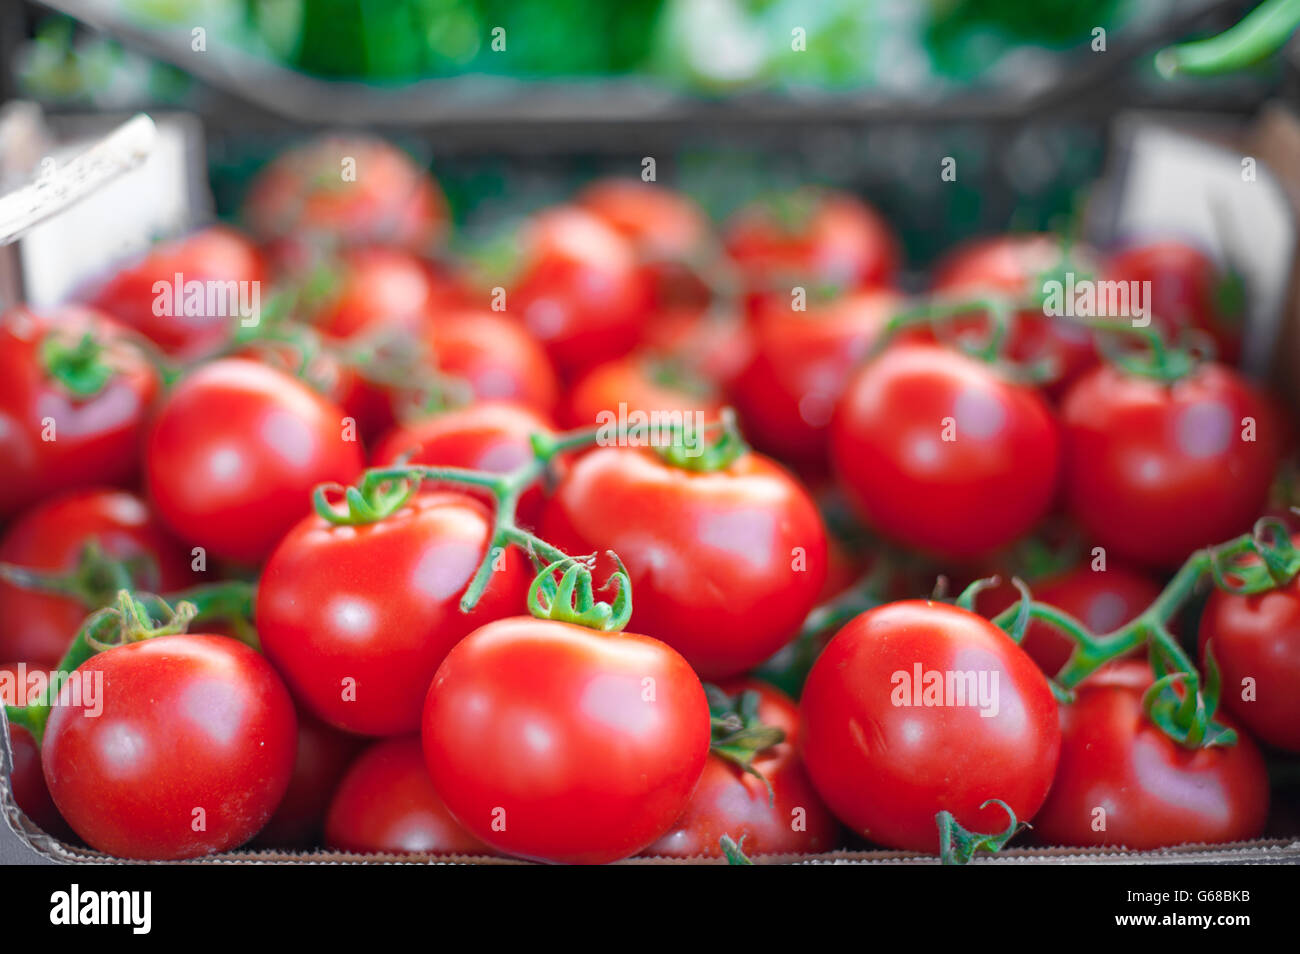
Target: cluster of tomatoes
[[403, 678]]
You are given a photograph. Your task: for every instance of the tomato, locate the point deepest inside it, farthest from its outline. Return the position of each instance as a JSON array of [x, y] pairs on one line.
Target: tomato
[[640, 383], [801, 363], [1120, 771], [495, 436], [577, 288], [52, 438], [1188, 290], [887, 750], [819, 240], [26, 781], [1019, 266], [725, 565], [51, 538], [376, 289], [497, 359], [323, 756], [940, 452], [1257, 638], [558, 743], [1103, 600], [387, 803], [235, 451], [715, 345], [357, 618], [205, 262], [348, 190], [1156, 470], [185, 749], [729, 801]]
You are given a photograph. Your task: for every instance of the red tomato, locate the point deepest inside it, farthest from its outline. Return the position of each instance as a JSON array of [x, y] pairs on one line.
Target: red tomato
[[51, 438], [1120, 771], [357, 618], [1103, 600], [1019, 265], [348, 190], [387, 803], [494, 356], [1154, 471], [715, 345], [185, 749], [26, 780], [729, 801], [725, 565], [235, 451], [641, 383], [940, 452], [494, 436], [815, 239], [802, 362], [558, 743], [51, 537], [377, 289], [324, 754], [1188, 290], [889, 742], [1257, 638], [578, 289], [212, 258]]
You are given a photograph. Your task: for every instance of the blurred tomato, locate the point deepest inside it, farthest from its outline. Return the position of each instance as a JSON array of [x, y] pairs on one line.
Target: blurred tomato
[[496, 358], [714, 344], [324, 754], [641, 383], [26, 780]]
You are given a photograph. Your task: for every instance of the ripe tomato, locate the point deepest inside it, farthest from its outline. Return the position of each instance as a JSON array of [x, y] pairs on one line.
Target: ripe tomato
[[186, 748], [816, 239], [1119, 771], [51, 537], [940, 452], [559, 743], [1257, 638], [357, 618], [374, 289], [724, 565], [729, 801], [716, 345], [578, 289], [1103, 600], [1188, 290], [234, 452], [641, 383], [496, 358], [917, 707], [1155, 470], [26, 780], [348, 190], [53, 438], [210, 256], [387, 803], [324, 754], [801, 363]]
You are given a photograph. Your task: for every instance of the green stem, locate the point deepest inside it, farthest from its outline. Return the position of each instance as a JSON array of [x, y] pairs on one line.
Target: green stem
[[1259, 34]]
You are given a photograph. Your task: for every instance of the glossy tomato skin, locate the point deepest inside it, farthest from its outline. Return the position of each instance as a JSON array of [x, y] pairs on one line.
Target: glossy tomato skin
[[1154, 471], [801, 364], [235, 451], [387, 803], [51, 537], [731, 802], [26, 780], [938, 451], [323, 756], [1258, 638], [578, 290], [215, 254], [543, 741], [357, 619], [724, 565], [1153, 791], [886, 768], [53, 440], [188, 722], [496, 358]]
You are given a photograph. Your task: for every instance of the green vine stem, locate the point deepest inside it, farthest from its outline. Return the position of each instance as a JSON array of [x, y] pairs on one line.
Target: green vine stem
[[1260, 33], [957, 846]]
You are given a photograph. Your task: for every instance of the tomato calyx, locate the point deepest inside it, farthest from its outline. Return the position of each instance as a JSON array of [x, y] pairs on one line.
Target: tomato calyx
[[1272, 560], [1156, 358], [734, 851], [77, 365], [573, 600], [738, 732], [368, 502], [696, 451], [1187, 717], [957, 845]]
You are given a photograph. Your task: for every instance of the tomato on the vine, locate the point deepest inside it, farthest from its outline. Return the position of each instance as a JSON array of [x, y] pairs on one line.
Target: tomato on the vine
[[943, 453], [915, 708], [555, 742], [357, 618], [493, 356], [323, 756], [179, 730], [376, 289], [725, 564], [234, 452]]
